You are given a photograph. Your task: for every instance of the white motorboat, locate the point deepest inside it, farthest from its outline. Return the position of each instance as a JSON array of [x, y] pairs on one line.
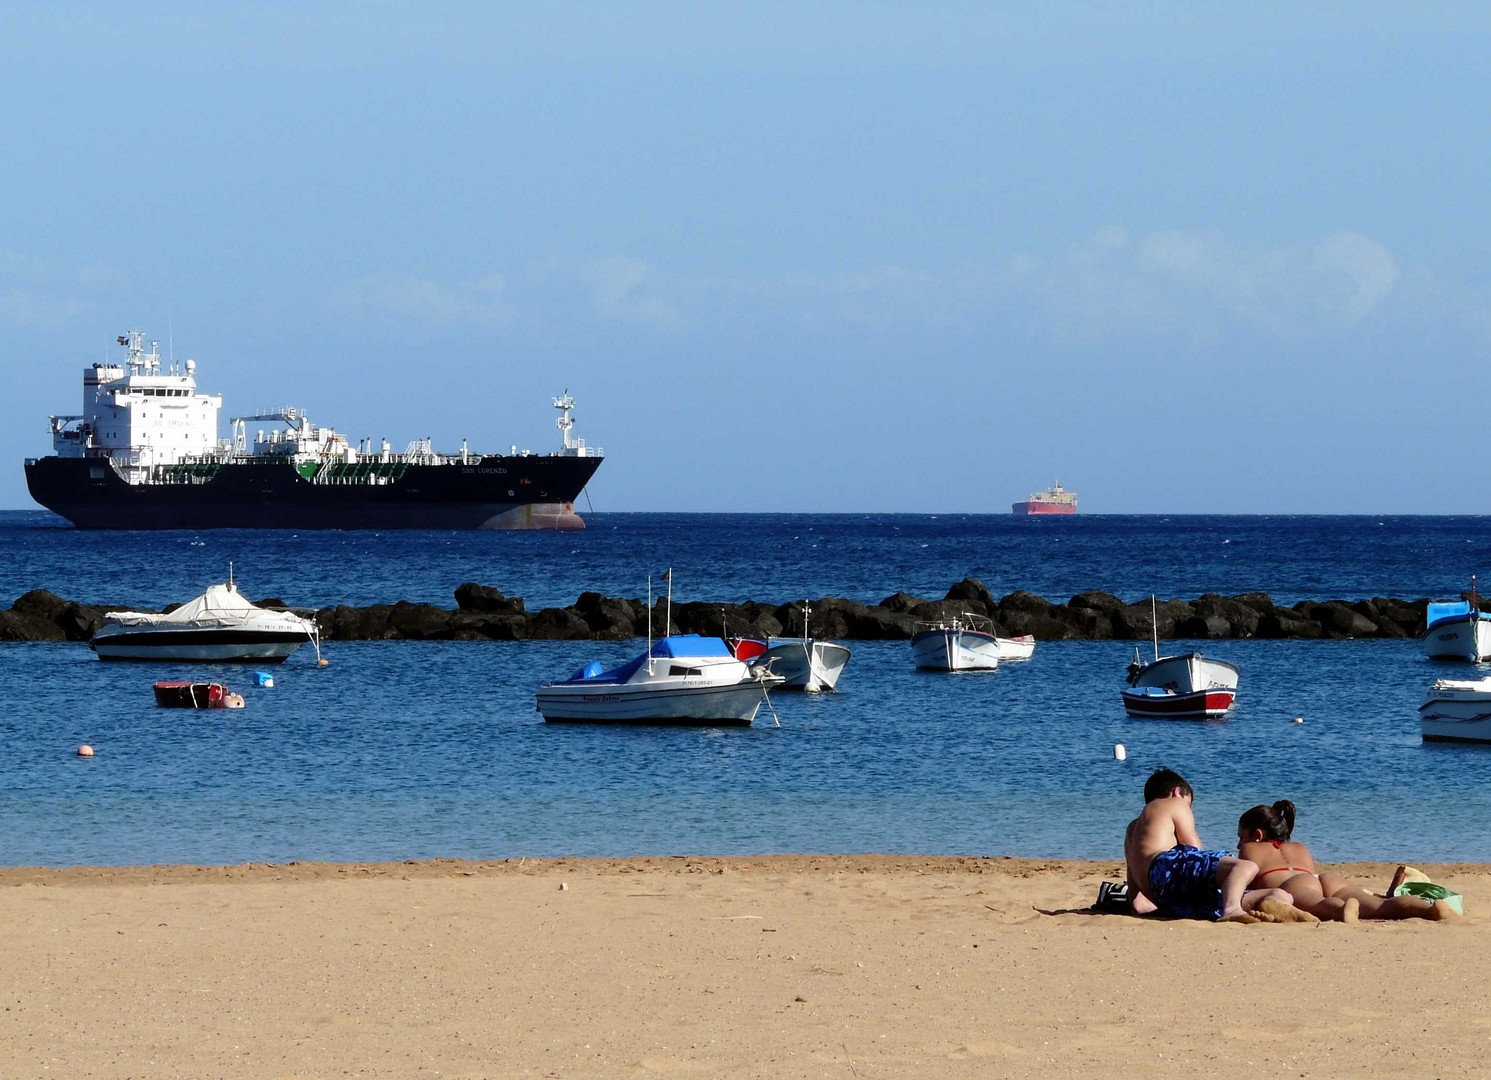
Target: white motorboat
[[1457, 630], [1457, 710], [964, 643], [682, 679], [1016, 648], [218, 626]]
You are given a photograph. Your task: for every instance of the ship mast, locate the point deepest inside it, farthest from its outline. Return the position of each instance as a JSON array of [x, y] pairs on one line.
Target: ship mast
[[564, 403]]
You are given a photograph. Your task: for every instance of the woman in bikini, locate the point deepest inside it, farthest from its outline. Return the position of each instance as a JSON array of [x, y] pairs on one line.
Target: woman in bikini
[[1263, 836]]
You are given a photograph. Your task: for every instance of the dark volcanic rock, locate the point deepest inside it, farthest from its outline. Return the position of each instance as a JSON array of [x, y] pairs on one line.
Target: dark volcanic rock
[[1133, 622], [558, 624], [419, 622], [1210, 627], [609, 619], [79, 622], [901, 603], [1089, 623], [39, 604], [1336, 619], [345, 623], [1241, 618], [1097, 600], [972, 593], [1025, 613], [473, 597], [1260, 602], [17, 626], [1283, 623], [484, 613]]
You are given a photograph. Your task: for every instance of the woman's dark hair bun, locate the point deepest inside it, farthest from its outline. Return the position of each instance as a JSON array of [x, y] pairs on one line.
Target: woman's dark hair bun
[[1285, 809]]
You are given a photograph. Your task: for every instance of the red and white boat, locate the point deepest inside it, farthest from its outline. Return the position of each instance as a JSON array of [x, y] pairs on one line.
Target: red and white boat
[[1187, 686], [1184, 687], [196, 695]]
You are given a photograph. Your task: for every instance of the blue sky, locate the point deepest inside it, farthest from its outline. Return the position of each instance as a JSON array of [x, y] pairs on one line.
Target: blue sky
[[837, 257]]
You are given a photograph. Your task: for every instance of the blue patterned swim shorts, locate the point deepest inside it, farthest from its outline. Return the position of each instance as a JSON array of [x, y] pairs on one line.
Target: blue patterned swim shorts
[[1183, 882]]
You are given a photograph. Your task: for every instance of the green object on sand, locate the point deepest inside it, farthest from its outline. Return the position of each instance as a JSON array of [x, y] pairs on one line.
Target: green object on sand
[[1427, 890]]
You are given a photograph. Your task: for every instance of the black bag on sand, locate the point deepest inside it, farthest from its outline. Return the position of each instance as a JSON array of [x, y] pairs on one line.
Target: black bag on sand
[[1113, 898]]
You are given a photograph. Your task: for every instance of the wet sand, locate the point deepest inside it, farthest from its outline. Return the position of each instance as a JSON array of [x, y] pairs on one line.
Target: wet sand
[[834, 966]]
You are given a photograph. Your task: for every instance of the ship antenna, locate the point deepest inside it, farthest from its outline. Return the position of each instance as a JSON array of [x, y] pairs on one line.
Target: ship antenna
[[668, 626], [649, 624], [230, 575]]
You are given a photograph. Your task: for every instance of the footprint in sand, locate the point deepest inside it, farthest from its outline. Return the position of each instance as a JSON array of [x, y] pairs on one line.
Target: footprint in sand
[[983, 1049], [672, 1065]]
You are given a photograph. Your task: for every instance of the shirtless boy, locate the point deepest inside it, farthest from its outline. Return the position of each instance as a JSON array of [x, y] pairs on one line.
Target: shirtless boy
[[1169, 872]]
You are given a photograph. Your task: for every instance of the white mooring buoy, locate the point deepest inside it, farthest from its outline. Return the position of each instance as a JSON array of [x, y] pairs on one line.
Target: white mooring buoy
[[1119, 753], [1299, 719]]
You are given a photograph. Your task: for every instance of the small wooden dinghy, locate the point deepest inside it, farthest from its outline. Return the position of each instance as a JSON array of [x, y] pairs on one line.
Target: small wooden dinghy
[[196, 695]]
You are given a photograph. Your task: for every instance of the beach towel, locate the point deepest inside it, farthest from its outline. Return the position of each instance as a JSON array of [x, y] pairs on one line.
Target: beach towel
[[1417, 883]]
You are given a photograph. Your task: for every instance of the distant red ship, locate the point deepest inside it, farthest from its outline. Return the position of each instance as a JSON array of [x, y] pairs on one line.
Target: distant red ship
[[1055, 501]]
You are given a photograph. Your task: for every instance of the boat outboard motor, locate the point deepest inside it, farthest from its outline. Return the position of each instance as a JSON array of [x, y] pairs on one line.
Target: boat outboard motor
[[1135, 666]]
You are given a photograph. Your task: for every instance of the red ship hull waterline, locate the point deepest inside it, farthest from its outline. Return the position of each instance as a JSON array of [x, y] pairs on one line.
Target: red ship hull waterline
[[1029, 507], [1055, 501]]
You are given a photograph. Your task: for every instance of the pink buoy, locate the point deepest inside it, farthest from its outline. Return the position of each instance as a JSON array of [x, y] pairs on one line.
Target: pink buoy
[[85, 751]]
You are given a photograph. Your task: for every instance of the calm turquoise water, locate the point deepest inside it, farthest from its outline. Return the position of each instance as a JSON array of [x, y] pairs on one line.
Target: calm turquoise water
[[406, 750]]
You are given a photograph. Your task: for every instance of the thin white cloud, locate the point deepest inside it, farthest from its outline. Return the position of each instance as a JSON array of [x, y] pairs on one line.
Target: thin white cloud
[[631, 291], [1200, 284], [479, 300], [34, 292]]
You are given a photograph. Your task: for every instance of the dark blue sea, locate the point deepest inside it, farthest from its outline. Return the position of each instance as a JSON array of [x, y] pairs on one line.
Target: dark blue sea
[[401, 750]]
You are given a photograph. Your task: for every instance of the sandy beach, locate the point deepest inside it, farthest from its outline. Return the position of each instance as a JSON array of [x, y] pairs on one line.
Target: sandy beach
[[855, 966]]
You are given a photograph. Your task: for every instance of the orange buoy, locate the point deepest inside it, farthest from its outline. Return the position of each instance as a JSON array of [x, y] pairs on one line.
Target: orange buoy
[[85, 751]]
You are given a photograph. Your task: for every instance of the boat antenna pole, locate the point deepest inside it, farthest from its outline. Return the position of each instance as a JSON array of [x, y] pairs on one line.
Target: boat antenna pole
[[649, 624], [806, 611], [230, 575], [668, 626], [1154, 626]]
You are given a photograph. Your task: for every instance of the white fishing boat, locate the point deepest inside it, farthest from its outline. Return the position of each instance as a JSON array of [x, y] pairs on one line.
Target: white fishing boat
[[1187, 686], [804, 663], [1457, 710], [1016, 648], [680, 679], [219, 626], [964, 643], [1457, 630]]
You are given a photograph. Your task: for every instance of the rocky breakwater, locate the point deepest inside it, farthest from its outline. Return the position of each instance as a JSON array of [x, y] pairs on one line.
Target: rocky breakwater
[[483, 613]]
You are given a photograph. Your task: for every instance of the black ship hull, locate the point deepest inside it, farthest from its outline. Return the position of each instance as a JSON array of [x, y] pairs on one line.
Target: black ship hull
[[532, 492]]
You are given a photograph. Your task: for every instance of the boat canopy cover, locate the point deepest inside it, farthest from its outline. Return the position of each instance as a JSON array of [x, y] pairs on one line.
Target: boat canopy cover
[[593, 673], [683, 645], [1453, 609], [220, 604]]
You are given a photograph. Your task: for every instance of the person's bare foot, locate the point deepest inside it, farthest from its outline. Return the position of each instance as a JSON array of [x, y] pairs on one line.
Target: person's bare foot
[[1398, 876], [1285, 913], [1239, 916], [1442, 912], [1352, 912]]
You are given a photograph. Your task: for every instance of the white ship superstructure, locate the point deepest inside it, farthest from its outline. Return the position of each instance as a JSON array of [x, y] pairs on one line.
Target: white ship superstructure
[[138, 416]]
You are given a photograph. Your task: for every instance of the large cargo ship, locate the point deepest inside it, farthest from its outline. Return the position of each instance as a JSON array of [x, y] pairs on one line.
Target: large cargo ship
[[145, 454], [1056, 501]]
